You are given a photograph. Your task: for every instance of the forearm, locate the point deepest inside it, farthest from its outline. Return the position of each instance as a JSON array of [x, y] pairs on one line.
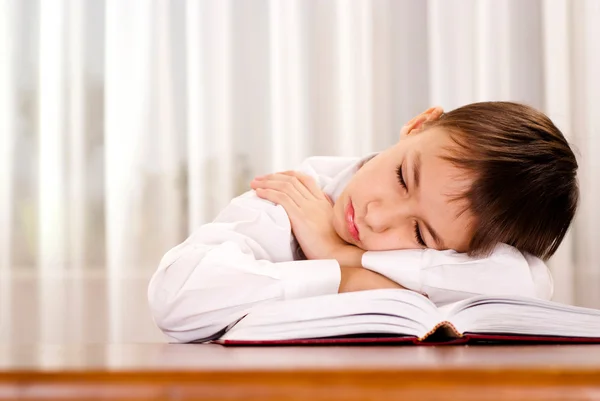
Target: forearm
[[361, 279], [349, 256], [356, 278]]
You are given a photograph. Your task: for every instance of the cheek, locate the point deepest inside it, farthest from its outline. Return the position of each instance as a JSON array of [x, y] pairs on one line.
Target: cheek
[[388, 241], [401, 237]]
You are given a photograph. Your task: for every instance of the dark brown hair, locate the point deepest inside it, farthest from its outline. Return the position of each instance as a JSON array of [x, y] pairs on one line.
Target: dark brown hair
[[525, 190]]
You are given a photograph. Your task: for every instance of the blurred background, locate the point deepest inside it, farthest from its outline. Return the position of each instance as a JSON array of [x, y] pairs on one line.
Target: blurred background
[[124, 124]]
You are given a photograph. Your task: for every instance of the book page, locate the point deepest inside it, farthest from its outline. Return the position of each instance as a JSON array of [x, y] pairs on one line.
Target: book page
[[523, 316], [395, 312]]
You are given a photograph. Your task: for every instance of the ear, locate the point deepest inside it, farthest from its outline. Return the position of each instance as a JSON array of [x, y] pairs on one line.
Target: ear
[[416, 123]]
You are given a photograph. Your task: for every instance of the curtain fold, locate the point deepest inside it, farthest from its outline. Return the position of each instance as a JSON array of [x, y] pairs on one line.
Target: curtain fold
[[197, 154], [129, 127], [126, 124], [354, 72], [288, 73], [585, 96], [52, 106], [557, 104], [8, 122]]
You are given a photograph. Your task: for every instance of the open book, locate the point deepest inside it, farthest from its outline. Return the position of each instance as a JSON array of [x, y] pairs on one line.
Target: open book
[[396, 316]]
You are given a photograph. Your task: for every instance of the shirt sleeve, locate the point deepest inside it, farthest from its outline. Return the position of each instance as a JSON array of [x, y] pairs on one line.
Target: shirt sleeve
[[448, 276], [241, 259]]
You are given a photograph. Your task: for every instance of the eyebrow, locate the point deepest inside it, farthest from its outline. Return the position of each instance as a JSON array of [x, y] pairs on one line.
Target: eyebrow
[[417, 169], [416, 180]]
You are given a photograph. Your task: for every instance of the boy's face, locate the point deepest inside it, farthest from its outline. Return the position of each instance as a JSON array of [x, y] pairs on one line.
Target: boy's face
[[385, 214]]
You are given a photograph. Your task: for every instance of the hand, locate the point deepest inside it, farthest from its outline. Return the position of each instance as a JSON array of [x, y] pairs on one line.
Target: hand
[[310, 212], [361, 279]]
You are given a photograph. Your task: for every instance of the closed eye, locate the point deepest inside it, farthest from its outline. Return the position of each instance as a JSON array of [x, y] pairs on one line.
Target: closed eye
[[418, 236], [401, 177]]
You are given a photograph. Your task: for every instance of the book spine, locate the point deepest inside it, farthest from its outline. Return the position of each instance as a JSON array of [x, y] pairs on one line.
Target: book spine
[[444, 329]]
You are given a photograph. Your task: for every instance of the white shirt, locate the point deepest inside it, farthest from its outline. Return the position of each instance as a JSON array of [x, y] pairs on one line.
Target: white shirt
[[248, 256]]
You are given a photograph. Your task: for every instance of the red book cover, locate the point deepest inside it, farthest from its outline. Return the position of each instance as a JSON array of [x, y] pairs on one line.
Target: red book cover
[[442, 334], [465, 339]]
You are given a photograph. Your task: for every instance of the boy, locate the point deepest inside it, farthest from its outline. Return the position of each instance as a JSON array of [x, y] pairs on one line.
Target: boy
[[465, 203]]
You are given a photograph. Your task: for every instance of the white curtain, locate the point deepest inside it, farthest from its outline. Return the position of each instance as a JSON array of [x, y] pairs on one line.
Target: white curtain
[[124, 124]]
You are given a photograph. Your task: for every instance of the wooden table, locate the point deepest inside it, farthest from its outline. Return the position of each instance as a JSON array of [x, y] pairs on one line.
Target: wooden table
[[213, 372]]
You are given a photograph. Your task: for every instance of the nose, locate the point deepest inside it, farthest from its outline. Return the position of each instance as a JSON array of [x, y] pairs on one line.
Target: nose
[[381, 217]]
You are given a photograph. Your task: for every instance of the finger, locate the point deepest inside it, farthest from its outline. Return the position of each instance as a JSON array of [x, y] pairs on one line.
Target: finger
[[308, 182], [283, 183], [279, 198], [291, 181], [295, 191]]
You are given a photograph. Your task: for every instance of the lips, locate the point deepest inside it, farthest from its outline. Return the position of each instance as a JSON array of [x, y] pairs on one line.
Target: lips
[[352, 228]]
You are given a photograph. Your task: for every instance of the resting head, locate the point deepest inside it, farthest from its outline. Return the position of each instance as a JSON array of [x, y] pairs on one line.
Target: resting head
[[465, 180]]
